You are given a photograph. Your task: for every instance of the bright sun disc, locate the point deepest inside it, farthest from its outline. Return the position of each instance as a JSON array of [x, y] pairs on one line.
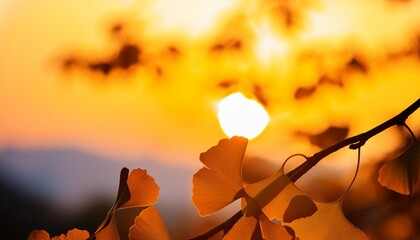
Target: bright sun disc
[[240, 116]]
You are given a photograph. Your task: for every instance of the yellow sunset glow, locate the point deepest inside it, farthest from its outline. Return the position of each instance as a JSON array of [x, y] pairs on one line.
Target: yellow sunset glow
[[313, 65], [240, 116], [154, 83]]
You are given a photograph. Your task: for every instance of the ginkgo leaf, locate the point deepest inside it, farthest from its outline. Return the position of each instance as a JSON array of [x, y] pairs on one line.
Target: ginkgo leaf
[[218, 184], [39, 235], [136, 192], [273, 231], [74, 234], [124, 219], [277, 197], [269, 229], [401, 173], [328, 222], [299, 207], [244, 229], [149, 225], [143, 189], [109, 232]]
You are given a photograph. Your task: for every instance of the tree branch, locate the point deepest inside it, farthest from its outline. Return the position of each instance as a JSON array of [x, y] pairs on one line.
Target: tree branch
[[225, 226], [355, 142]]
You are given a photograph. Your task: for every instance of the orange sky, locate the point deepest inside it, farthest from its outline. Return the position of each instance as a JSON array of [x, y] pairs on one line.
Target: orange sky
[[173, 118]]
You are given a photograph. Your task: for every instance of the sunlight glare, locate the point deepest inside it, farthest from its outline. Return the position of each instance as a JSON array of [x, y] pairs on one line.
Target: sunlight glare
[[240, 116], [268, 44]]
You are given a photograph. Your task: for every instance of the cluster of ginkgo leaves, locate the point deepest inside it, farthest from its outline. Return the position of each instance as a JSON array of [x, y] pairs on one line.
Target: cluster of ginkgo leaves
[[274, 208]]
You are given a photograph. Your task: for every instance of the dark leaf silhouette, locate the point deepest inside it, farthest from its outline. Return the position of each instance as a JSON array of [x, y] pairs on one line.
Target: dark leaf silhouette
[[329, 136], [103, 67], [299, 207], [227, 83], [274, 196], [136, 192], [229, 44], [401, 173], [304, 92], [74, 234], [128, 56], [259, 94], [357, 65], [325, 79]]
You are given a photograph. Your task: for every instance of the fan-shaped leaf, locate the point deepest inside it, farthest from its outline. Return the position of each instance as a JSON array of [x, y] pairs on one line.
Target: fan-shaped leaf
[[279, 198], [273, 231], [328, 222], [74, 234], [39, 235], [217, 185], [143, 189], [137, 191], [278, 194], [401, 173], [243, 229], [149, 225]]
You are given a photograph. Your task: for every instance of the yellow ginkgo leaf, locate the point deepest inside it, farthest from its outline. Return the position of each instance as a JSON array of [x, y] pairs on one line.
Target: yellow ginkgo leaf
[[328, 222], [74, 234], [149, 226], [39, 235], [273, 231], [245, 228], [143, 189], [109, 231], [280, 199], [401, 173], [136, 192], [218, 184]]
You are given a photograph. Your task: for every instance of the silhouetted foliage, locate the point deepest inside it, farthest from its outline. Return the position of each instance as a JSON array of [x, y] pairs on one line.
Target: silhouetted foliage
[[229, 44], [357, 65], [304, 92], [328, 137], [259, 94]]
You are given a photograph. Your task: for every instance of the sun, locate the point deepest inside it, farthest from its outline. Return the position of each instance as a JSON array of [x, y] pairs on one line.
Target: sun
[[240, 116]]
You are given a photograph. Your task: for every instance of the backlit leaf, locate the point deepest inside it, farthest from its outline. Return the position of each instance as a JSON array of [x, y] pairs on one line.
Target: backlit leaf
[[280, 199], [401, 173], [328, 222], [39, 235], [149, 225], [143, 189], [136, 192], [278, 194], [299, 207], [243, 229], [74, 234], [273, 231], [218, 184]]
